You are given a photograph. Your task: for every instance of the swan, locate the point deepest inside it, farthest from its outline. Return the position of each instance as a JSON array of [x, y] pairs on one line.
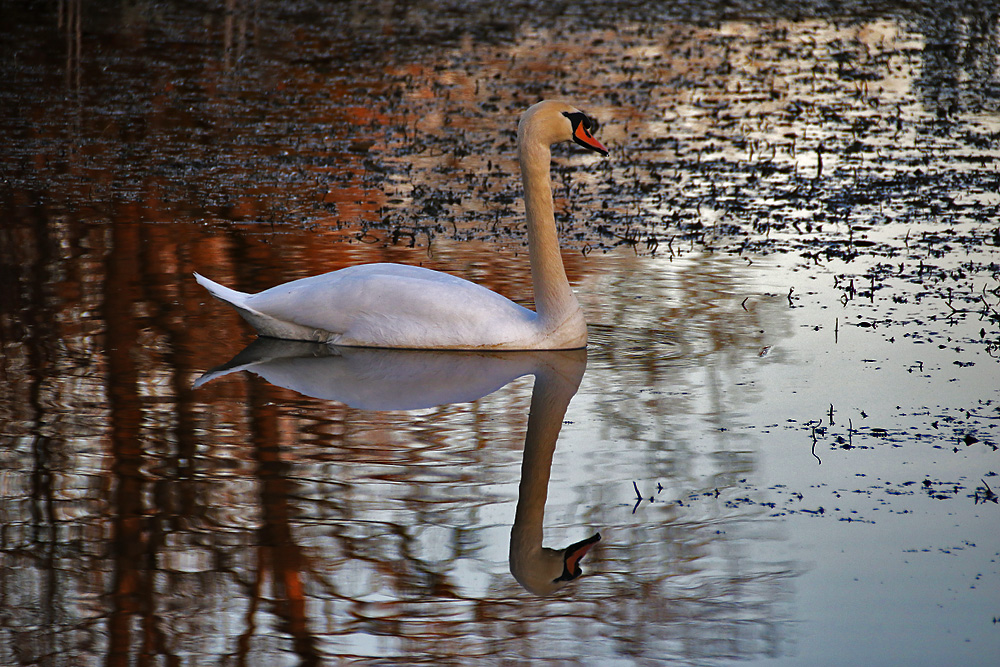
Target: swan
[[400, 306]]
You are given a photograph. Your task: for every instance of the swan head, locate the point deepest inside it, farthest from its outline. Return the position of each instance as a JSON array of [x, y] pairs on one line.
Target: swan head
[[552, 122], [543, 571]]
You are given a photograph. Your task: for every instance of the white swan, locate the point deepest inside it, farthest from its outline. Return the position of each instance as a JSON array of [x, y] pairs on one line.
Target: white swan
[[398, 306]]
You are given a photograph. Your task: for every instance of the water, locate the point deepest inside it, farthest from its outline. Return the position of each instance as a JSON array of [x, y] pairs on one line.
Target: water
[[785, 425]]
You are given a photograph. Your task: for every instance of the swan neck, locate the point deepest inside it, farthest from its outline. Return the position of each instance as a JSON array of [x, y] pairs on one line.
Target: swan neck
[[549, 401], [554, 300], [554, 387]]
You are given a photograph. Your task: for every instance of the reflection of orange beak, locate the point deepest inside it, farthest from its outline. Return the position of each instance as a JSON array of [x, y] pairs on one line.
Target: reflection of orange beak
[[575, 552], [586, 139]]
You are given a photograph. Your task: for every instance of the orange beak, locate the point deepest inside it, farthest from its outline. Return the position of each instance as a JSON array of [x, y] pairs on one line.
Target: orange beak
[[582, 136]]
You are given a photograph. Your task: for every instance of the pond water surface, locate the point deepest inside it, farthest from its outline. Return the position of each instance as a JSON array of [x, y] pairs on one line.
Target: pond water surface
[[784, 429]]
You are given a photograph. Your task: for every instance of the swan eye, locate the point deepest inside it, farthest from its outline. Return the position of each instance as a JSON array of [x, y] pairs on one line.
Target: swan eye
[[582, 126], [579, 118]]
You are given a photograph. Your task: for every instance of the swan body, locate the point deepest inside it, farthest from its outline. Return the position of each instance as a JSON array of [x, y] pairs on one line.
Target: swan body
[[400, 306], [389, 305]]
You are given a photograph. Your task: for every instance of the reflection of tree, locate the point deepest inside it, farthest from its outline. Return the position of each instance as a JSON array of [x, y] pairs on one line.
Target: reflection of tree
[[674, 343], [137, 537], [280, 555], [653, 319]]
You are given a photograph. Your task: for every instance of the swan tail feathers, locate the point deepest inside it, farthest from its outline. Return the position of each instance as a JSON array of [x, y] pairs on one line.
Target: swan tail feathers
[[265, 324], [222, 293]]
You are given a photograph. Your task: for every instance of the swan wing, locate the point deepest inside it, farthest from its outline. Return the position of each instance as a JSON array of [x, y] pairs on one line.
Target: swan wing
[[394, 305]]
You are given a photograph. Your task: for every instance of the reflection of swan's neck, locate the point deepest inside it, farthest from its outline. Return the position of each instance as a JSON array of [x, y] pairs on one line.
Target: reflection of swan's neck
[[536, 568], [548, 407], [554, 300]]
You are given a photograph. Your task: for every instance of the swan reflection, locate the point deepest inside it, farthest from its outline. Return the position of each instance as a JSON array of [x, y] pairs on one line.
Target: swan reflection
[[383, 379]]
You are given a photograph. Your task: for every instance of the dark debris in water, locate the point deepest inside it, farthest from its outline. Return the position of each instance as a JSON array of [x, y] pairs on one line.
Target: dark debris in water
[[734, 126], [944, 428], [878, 497], [952, 430], [986, 494]]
